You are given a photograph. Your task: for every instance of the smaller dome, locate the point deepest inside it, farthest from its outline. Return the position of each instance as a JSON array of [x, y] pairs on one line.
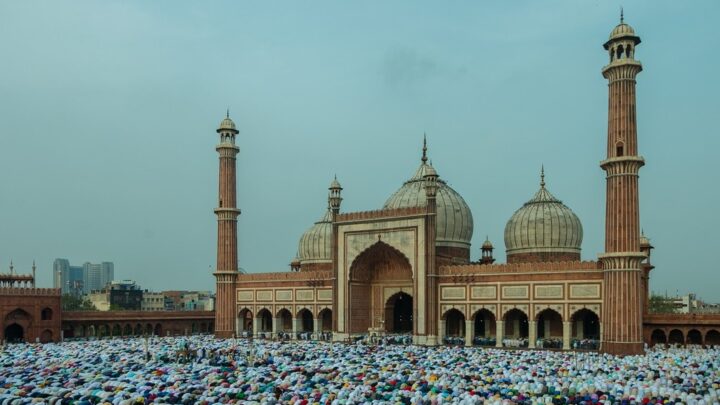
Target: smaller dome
[[644, 241], [487, 244], [335, 184], [227, 124], [622, 30], [316, 243], [543, 229]]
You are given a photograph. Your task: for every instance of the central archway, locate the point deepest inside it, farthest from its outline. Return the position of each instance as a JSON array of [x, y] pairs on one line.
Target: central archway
[[376, 277], [14, 333], [399, 313]]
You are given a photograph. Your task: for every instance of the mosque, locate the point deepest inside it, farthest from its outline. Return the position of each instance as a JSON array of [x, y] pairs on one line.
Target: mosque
[[405, 268]]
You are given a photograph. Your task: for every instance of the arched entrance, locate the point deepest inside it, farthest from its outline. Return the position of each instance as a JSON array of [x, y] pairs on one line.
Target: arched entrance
[[325, 319], [375, 278], [586, 324], [46, 336], [549, 324], [305, 320], [14, 333], [245, 322], [676, 337], [694, 337], [284, 321], [712, 337], [399, 313], [516, 324], [658, 337], [484, 327], [16, 324], [264, 320], [454, 324]]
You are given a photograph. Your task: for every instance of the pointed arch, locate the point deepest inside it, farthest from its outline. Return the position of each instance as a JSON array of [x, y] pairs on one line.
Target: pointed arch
[[658, 337], [380, 260], [484, 324], [454, 323], [305, 320], [325, 319]]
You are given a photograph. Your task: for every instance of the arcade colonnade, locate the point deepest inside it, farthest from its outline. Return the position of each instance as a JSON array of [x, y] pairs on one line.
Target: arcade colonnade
[[482, 327], [301, 323]]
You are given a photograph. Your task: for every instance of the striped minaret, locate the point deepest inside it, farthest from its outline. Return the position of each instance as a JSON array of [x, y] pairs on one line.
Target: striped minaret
[[227, 261], [622, 297]]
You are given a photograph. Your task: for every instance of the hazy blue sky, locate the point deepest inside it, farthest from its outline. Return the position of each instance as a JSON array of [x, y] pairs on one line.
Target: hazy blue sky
[[108, 113]]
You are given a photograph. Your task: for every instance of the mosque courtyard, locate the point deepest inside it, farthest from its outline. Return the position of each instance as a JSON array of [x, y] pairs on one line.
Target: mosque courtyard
[[201, 369]]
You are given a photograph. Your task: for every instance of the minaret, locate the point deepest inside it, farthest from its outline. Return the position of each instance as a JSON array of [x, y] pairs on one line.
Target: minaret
[[227, 261], [432, 318], [622, 292]]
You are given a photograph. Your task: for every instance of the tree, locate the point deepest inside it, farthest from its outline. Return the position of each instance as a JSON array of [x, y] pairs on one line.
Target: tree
[[661, 305], [73, 303]]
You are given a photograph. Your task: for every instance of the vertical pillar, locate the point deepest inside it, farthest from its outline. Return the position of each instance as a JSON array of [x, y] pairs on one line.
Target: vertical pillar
[[499, 333], [579, 330], [441, 331], [275, 325], [532, 334], [256, 326], [317, 327], [567, 326], [468, 333], [294, 328]]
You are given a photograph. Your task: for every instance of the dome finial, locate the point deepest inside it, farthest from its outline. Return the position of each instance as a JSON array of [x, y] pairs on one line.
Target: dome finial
[[622, 17], [542, 176], [227, 113], [424, 155]]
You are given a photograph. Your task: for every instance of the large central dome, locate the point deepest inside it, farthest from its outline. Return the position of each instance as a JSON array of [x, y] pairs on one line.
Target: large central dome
[[454, 220]]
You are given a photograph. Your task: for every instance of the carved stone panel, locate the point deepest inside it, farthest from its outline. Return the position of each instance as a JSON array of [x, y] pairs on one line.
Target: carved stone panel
[[264, 295], [245, 295], [585, 291], [515, 292], [483, 292], [453, 293], [549, 291], [283, 295], [304, 295], [324, 295]]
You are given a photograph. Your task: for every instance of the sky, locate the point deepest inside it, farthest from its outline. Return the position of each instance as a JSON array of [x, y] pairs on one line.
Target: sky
[[108, 113]]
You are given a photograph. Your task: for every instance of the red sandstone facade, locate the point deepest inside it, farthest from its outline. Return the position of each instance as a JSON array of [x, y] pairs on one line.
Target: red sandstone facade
[[380, 258]]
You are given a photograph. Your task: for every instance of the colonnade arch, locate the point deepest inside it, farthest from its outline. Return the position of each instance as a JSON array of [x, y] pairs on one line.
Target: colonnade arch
[[454, 323]]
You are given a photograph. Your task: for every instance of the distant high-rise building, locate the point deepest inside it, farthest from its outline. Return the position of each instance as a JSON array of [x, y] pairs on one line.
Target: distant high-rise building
[[79, 280], [97, 275], [67, 277]]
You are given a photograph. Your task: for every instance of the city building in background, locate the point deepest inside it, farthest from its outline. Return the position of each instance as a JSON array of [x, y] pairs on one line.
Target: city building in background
[[189, 300], [97, 276], [118, 295], [152, 301], [80, 280], [68, 278]]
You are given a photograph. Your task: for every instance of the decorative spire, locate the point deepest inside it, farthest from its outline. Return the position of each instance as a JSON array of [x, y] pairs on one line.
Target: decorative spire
[[542, 176], [424, 155], [11, 267], [622, 17], [227, 113]]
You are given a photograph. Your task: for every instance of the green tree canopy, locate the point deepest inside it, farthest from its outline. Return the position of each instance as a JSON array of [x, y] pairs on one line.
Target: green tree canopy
[[661, 305], [73, 303]]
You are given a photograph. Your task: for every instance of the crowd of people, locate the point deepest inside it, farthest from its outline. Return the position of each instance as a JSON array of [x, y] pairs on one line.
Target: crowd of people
[[201, 369]]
